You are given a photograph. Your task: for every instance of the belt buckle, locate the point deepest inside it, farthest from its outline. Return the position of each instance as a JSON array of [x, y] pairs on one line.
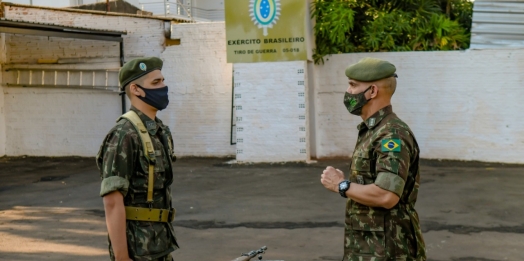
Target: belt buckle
[[160, 215], [172, 213]]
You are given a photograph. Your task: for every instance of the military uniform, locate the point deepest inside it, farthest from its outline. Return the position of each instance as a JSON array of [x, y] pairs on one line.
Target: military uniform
[[387, 155], [124, 166]]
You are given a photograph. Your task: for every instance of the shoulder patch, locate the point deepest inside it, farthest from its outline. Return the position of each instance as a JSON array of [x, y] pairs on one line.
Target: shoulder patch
[[393, 145]]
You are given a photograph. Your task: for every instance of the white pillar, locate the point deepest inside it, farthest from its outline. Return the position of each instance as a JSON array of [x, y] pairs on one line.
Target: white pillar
[[270, 111], [3, 137]]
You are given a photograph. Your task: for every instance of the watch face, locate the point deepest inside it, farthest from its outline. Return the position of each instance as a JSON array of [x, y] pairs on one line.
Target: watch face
[[343, 185]]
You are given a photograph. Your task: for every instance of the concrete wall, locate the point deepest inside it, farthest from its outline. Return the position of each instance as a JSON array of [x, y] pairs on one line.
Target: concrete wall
[[200, 81], [270, 111], [460, 105]]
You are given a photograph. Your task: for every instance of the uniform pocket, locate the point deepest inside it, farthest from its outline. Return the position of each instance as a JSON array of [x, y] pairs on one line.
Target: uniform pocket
[[362, 170], [158, 172], [366, 234]]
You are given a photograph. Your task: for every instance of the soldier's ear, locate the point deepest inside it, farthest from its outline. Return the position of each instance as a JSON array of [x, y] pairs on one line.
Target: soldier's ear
[[134, 89], [374, 91]]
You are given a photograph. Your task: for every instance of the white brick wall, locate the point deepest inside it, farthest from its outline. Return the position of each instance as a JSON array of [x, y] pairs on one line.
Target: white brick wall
[[26, 49], [64, 122], [270, 102], [144, 37], [460, 105], [199, 112], [46, 122], [200, 79]]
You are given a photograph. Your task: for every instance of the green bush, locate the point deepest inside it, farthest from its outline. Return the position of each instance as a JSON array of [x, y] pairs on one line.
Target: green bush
[[345, 26]]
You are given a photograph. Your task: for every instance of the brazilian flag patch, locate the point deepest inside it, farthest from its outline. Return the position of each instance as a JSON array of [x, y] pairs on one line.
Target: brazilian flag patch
[[391, 145]]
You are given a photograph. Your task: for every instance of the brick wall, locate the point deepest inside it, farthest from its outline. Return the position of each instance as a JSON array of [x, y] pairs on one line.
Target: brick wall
[[73, 122], [270, 111], [199, 112], [49, 122], [27, 49], [460, 105], [64, 122], [144, 37]]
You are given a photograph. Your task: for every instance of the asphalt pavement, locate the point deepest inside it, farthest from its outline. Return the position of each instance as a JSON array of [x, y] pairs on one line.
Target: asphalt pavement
[[50, 210]]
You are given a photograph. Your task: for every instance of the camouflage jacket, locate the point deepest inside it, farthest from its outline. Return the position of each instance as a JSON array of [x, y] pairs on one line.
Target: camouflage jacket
[[124, 167], [386, 155]]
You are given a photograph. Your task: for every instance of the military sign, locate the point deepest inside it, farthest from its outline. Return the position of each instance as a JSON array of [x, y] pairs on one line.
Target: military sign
[[266, 30]]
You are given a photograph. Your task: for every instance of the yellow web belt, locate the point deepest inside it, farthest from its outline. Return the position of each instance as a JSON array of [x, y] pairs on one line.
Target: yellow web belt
[[151, 215]]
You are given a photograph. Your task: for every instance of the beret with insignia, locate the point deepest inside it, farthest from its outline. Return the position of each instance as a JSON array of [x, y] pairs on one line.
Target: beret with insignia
[[371, 69], [137, 68]]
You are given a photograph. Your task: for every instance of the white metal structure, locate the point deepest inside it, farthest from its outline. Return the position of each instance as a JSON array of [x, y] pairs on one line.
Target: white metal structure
[[498, 24], [195, 10]]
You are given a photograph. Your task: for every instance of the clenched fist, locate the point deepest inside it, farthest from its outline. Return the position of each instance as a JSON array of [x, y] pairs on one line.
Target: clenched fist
[[331, 177]]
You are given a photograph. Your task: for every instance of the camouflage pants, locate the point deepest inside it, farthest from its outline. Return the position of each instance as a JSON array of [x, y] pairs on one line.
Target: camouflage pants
[[164, 258]]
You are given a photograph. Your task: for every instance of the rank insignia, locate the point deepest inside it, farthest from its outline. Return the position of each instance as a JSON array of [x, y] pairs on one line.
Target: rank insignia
[[391, 145], [151, 125]]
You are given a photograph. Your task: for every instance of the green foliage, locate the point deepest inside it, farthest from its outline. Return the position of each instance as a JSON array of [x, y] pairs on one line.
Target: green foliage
[[344, 26]]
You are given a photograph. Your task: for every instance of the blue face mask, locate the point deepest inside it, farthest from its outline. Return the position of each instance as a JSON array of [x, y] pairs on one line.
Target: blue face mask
[[157, 98]]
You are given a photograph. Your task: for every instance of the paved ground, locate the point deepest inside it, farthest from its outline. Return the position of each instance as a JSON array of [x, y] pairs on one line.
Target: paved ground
[[49, 210]]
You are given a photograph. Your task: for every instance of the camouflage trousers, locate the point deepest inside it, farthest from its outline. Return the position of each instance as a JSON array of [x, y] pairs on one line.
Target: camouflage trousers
[[164, 258]]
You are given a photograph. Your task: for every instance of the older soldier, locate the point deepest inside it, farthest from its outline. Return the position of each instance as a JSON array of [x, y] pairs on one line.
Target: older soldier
[[135, 162], [381, 221]]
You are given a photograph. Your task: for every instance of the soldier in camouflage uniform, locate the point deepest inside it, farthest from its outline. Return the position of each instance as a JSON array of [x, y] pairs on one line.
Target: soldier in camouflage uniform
[[124, 170], [381, 222]]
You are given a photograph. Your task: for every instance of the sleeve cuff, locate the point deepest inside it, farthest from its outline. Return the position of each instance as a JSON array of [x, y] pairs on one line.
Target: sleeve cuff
[[390, 182], [114, 183]]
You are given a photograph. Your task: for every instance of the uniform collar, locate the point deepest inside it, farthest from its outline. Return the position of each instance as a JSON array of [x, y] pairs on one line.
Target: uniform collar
[[375, 119], [152, 126]]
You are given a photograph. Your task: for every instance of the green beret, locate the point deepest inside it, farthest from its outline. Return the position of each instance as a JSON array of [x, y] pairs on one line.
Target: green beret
[[370, 70], [137, 68]]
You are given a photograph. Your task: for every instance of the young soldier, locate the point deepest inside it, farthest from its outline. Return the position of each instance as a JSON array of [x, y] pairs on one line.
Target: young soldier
[[135, 162]]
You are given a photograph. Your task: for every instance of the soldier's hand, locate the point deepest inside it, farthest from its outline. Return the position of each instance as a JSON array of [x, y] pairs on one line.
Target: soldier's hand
[[331, 177]]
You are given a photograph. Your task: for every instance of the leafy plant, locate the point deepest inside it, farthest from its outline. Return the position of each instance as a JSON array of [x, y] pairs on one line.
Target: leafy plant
[[344, 26]]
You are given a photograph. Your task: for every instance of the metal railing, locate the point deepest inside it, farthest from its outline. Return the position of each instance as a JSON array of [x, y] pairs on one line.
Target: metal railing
[[209, 14], [100, 79]]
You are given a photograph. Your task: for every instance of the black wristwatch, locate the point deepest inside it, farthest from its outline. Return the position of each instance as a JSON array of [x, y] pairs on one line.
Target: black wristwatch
[[343, 187]]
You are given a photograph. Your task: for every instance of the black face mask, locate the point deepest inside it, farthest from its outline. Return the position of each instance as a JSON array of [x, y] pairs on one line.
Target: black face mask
[[157, 98], [355, 102]]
